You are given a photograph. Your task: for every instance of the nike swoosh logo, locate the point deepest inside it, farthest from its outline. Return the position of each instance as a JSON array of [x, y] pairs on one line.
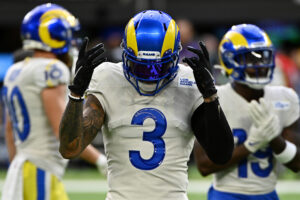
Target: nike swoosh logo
[[253, 143]]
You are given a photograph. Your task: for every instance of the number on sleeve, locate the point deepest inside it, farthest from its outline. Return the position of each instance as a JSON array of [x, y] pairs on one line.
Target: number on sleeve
[[52, 74]]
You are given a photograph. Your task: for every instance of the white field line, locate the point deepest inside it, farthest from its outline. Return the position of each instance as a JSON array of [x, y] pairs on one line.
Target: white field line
[[100, 186]]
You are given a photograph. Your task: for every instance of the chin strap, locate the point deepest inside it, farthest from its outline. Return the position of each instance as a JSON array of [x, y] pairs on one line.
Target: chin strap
[[252, 85]]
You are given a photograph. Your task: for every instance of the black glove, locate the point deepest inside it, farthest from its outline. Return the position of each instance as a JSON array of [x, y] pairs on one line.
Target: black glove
[[87, 61], [200, 66]]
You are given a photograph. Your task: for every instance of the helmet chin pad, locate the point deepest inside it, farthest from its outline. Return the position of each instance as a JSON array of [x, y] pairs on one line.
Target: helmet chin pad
[[256, 84], [147, 88]]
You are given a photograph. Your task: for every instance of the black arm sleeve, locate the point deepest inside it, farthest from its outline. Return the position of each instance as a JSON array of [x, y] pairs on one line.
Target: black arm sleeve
[[212, 131]]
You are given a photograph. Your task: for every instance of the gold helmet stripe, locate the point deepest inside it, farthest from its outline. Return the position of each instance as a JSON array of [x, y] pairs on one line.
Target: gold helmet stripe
[[237, 39], [267, 40], [45, 21], [169, 40], [131, 37], [227, 70]]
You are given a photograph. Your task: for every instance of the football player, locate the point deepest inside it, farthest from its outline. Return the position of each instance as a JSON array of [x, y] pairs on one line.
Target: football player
[[35, 95], [262, 119], [148, 106]]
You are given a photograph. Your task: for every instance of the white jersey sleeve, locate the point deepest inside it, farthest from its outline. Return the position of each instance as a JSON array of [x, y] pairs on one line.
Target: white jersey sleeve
[[51, 74], [98, 87], [290, 105]]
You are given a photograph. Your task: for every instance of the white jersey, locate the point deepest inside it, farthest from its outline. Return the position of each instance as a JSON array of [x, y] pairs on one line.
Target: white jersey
[[257, 173], [34, 136], [148, 139]]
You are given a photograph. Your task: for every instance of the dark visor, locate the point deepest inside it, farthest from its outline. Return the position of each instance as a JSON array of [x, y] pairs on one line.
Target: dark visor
[[149, 70], [255, 58]]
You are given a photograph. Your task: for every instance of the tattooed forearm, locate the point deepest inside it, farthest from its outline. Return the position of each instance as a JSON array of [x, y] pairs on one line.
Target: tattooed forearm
[[79, 126], [70, 129], [93, 117]]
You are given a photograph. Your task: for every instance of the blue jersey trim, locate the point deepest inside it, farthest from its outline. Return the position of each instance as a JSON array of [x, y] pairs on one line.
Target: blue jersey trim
[[40, 184], [218, 195]]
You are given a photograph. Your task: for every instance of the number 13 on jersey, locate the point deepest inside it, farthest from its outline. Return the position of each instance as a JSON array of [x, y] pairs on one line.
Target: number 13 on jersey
[[259, 171]]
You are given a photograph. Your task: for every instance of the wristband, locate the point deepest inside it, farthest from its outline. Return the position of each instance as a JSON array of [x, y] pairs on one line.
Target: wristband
[[101, 161], [287, 154], [101, 164], [77, 99]]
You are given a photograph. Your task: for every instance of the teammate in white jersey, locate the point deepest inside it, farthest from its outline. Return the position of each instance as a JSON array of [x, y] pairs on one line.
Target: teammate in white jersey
[[148, 107], [35, 95], [262, 118]]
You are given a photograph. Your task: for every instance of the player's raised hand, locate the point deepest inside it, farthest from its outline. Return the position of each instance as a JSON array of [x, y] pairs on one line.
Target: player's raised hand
[[200, 66], [87, 61]]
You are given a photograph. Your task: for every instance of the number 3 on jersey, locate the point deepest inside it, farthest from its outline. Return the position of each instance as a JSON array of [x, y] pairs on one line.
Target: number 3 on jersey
[[155, 137]]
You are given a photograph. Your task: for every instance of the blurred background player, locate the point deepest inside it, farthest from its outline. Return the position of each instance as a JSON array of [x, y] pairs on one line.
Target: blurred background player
[[146, 116], [35, 95], [262, 119]]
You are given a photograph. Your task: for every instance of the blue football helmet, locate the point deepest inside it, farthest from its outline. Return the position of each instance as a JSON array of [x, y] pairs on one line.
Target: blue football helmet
[[151, 47], [49, 27], [247, 55]]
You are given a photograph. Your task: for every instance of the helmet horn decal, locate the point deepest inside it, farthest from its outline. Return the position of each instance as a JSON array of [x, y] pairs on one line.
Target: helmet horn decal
[[131, 37], [237, 39], [267, 40], [46, 38], [58, 13], [227, 70], [169, 40], [46, 21]]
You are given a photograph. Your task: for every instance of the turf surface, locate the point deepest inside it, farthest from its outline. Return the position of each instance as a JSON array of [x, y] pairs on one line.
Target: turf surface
[[101, 196], [92, 173]]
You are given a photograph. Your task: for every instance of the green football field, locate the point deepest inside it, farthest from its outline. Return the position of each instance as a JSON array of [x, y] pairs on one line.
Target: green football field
[[77, 179], [99, 196], [193, 176]]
